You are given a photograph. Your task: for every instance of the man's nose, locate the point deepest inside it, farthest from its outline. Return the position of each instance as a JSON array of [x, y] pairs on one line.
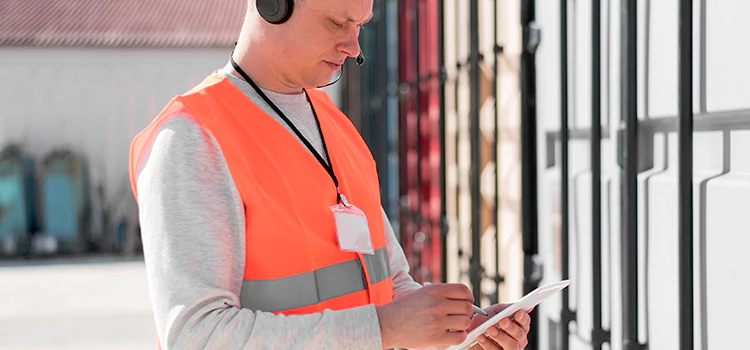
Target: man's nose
[[351, 46]]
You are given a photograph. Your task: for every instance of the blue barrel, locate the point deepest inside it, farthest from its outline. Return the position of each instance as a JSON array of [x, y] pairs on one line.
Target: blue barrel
[[17, 201], [66, 201]]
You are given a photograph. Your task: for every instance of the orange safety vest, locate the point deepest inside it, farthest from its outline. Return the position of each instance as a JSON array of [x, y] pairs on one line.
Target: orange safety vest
[[293, 264]]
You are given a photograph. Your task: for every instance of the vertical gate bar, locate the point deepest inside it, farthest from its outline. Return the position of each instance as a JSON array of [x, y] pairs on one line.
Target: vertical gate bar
[[598, 335], [475, 275], [441, 128], [392, 25], [382, 93], [529, 163], [457, 136], [415, 209], [629, 105], [685, 181], [434, 218], [566, 314], [495, 143]]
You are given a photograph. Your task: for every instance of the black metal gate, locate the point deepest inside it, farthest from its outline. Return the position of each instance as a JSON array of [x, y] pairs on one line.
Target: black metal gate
[[634, 141]]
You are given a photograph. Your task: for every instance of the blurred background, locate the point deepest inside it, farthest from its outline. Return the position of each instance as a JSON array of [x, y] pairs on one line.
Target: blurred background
[[518, 143]]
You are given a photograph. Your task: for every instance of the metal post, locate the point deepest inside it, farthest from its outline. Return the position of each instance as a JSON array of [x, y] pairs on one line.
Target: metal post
[[629, 133], [416, 212], [495, 135], [476, 267], [685, 181], [529, 161], [598, 335], [441, 126], [529, 157], [566, 315], [391, 25]]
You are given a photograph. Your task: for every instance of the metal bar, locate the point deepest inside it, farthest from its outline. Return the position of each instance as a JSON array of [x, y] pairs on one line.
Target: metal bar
[[495, 134], [392, 29], [629, 214], [566, 315], [382, 105], [685, 178], [416, 208], [474, 177], [441, 128], [456, 140], [529, 164], [598, 336], [702, 32]]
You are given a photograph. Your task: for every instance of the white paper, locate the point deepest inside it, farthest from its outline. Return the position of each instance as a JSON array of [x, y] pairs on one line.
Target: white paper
[[527, 302]]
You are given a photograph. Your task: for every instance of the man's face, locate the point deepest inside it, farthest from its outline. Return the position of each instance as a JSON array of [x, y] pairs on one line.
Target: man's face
[[318, 38]]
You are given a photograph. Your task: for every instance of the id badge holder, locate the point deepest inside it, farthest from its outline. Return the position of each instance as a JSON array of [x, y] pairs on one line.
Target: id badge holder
[[351, 228]]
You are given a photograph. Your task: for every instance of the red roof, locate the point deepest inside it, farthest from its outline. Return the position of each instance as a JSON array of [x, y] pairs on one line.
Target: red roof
[[121, 23]]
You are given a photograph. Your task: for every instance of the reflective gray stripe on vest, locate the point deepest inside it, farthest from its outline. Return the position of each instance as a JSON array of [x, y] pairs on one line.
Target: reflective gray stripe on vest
[[316, 286], [378, 265]]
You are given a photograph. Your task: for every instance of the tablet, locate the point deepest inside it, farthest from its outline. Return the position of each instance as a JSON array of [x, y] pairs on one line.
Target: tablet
[[527, 302]]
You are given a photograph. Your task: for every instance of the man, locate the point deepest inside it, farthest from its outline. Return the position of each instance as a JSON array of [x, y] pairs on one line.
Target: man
[[260, 210]]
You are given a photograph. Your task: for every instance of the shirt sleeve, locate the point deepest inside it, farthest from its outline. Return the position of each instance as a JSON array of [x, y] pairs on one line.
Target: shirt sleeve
[[192, 227], [402, 281]]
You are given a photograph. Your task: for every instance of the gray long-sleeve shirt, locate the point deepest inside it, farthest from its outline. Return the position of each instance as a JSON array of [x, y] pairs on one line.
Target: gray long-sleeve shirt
[[192, 226]]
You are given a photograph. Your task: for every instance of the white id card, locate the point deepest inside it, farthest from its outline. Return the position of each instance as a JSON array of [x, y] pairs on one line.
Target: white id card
[[351, 229]]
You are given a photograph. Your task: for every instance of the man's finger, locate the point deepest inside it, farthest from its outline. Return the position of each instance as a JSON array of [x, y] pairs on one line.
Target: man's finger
[[522, 319], [459, 307], [457, 323], [457, 291], [486, 343], [505, 340], [514, 330]]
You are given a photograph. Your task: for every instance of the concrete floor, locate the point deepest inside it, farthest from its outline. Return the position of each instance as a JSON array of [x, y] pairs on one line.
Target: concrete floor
[[75, 303]]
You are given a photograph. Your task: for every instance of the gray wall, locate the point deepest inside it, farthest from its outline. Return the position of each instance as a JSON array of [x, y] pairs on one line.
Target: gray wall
[[94, 101]]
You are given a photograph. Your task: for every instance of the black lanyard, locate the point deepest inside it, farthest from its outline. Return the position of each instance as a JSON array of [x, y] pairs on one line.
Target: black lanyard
[[328, 166]]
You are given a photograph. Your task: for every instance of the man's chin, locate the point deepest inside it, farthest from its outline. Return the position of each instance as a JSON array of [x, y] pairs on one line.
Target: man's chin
[[323, 81]]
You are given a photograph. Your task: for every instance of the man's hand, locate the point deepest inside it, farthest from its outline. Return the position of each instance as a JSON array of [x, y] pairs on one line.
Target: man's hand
[[437, 314], [509, 334]]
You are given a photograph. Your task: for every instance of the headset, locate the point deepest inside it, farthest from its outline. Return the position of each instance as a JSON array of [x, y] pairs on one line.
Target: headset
[[279, 11]]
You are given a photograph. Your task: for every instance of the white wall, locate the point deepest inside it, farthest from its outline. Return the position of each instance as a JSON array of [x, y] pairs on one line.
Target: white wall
[[94, 101], [721, 171]]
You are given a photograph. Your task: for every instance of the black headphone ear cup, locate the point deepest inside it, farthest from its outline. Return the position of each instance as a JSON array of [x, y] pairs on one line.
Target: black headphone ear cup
[[275, 11]]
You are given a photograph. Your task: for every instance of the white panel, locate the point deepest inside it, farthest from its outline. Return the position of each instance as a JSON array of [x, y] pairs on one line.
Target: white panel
[[663, 59], [727, 241], [660, 149], [661, 246], [579, 241], [698, 83], [550, 239], [642, 57], [548, 68], [581, 215], [614, 63], [582, 61], [606, 255], [572, 66], [605, 64], [615, 258], [727, 71], [550, 250], [662, 241]]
